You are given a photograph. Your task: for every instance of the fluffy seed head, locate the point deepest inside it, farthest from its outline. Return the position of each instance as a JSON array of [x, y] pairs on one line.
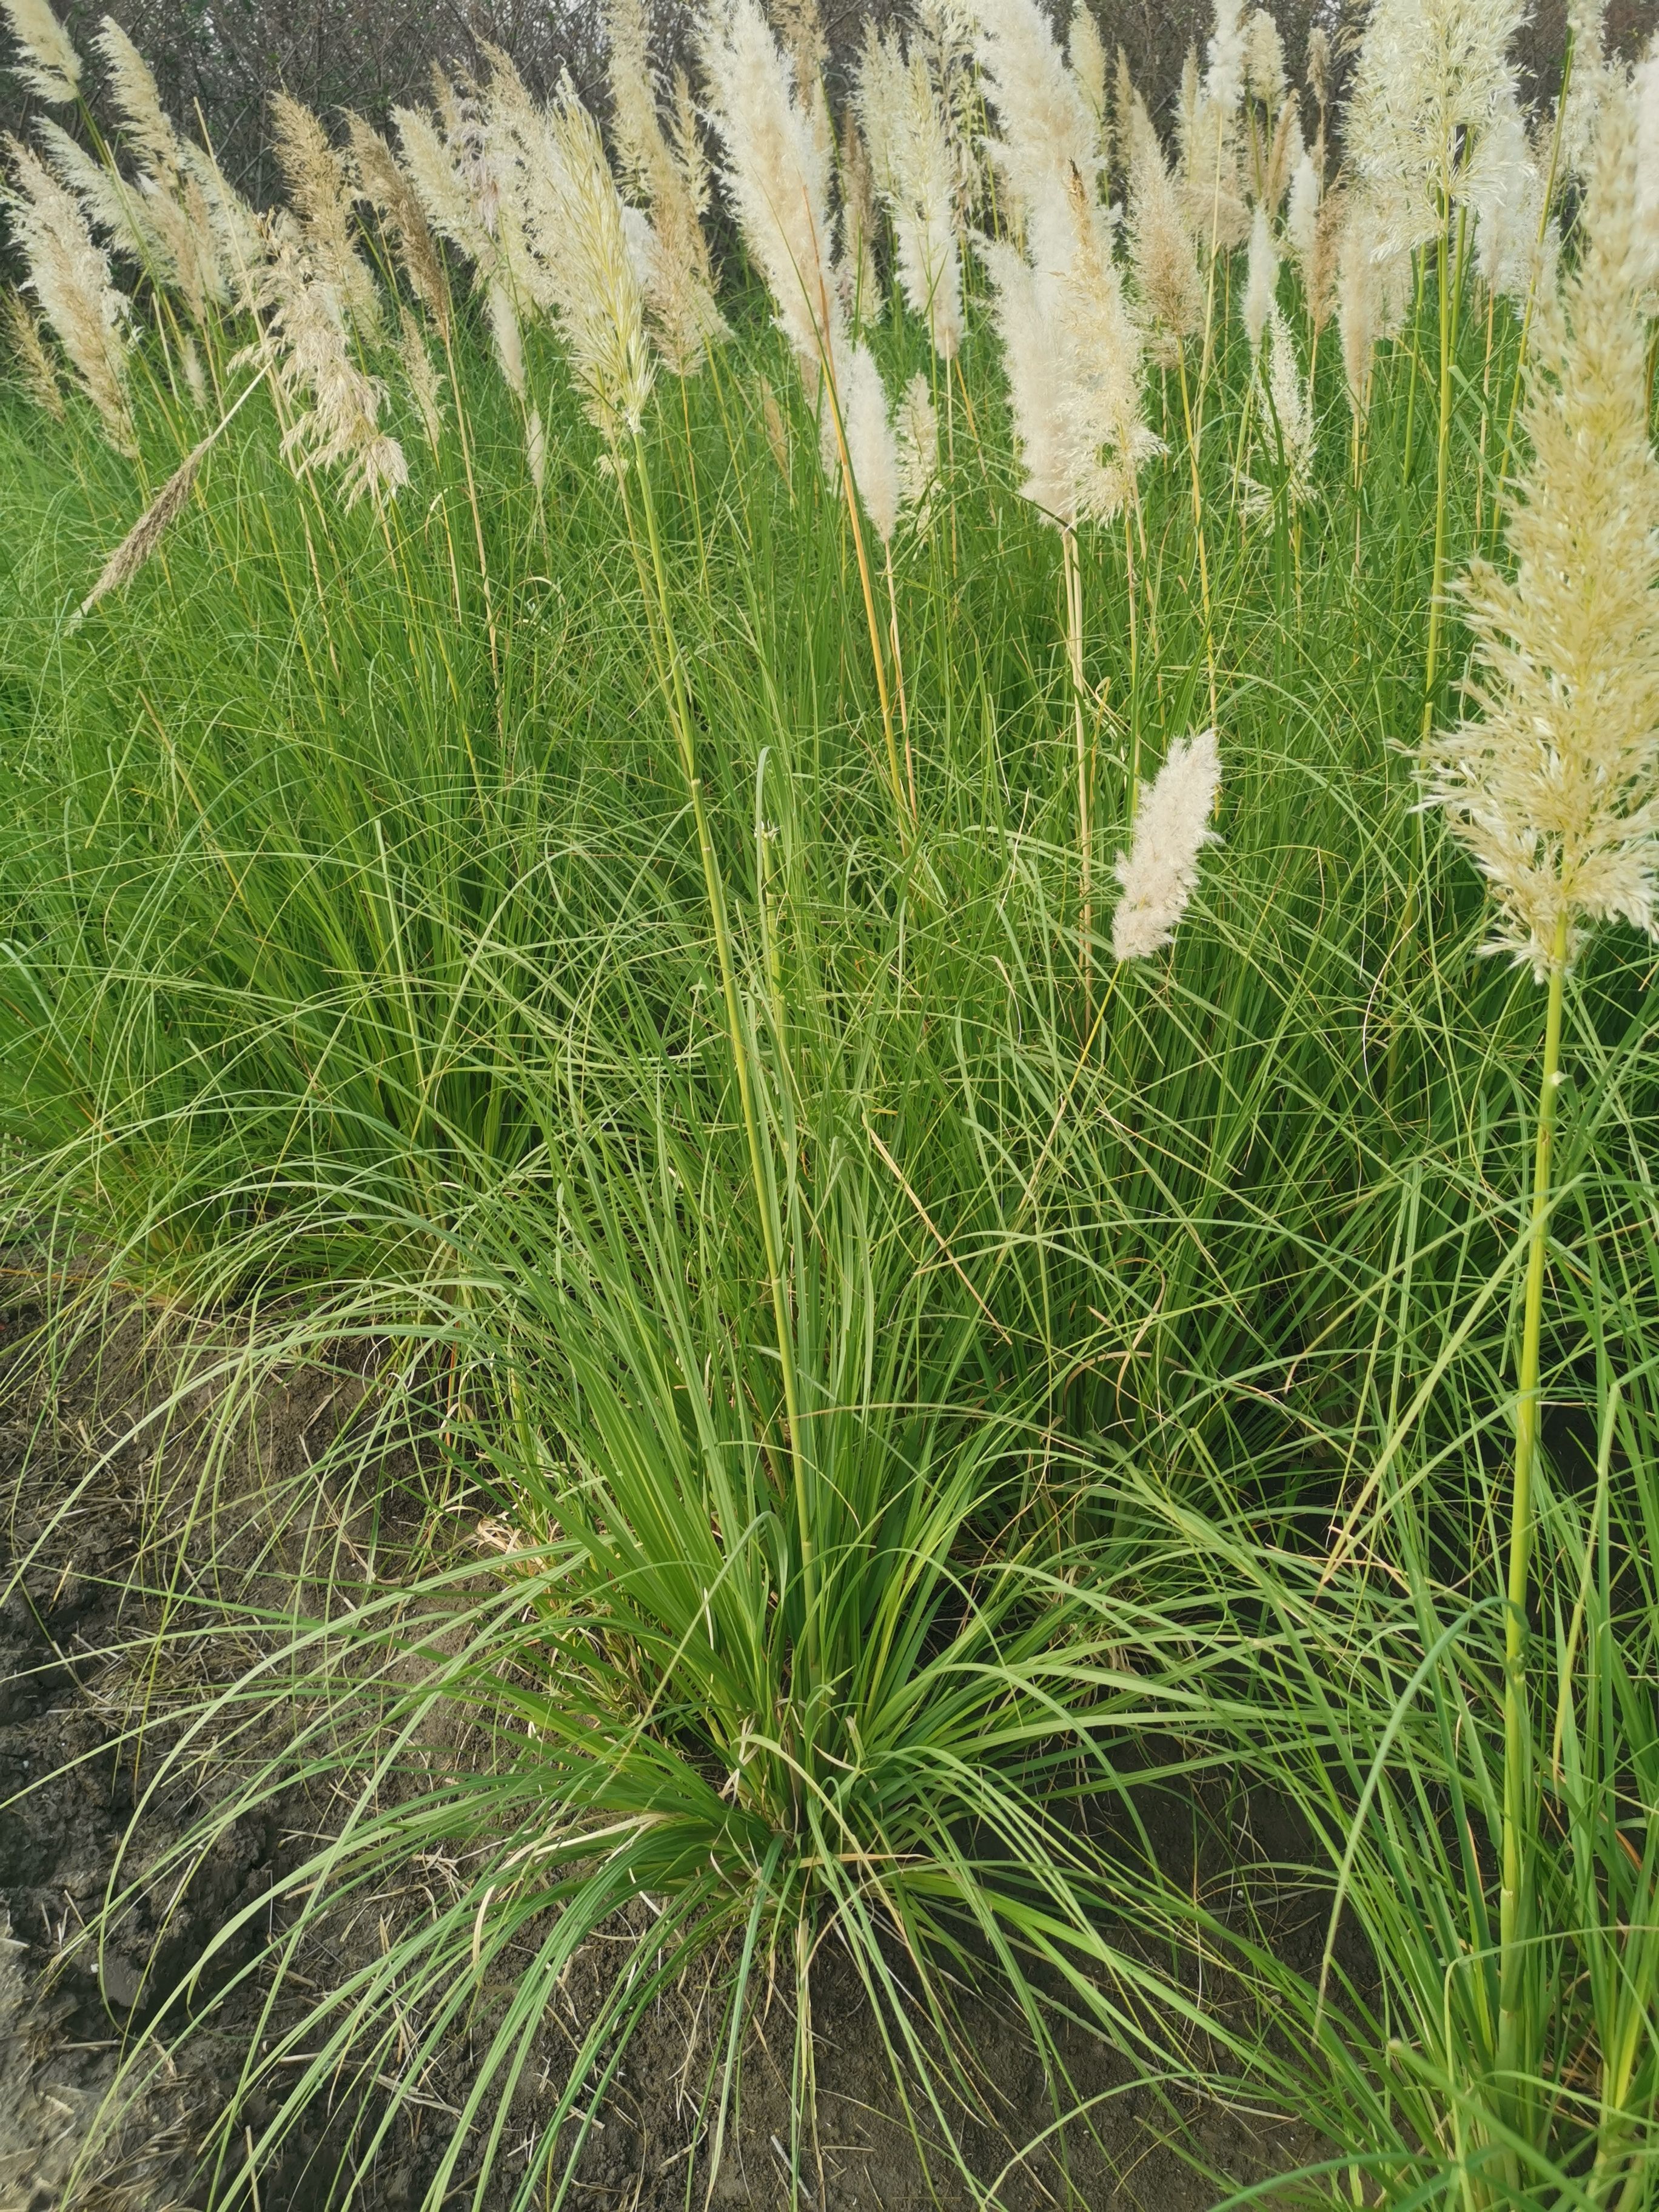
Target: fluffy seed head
[[336, 406], [1160, 251], [1552, 782], [394, 199], [861, 285], [145, 125], [1302, 216], [1225, 61], [1159, 872], [776, 171], [1264, 60], [47, 62], [1430, 76], [1047, 133], [146, 533], [425, 384], [914, 175], [579, 236], [1262, 281], [69, 277], [916, 430], [871, 445], [1085, 56], [29, 352], [1284, 434], [319, 190]]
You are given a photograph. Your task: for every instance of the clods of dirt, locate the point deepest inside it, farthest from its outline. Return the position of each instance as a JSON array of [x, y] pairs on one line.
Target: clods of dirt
[[84, 1457]]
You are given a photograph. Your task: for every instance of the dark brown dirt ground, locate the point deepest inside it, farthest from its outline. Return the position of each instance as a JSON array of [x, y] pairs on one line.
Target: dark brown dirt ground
[[73, 1659]]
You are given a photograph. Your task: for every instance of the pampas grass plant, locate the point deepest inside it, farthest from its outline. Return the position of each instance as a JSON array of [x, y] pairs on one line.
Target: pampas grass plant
[[889, 1491]]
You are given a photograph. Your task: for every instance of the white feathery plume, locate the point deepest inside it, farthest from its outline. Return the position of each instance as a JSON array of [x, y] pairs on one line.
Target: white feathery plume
[[861, 283], [1159, 872], [69, 277], [914, 175], [1360, 312], [1264, 61], [871, 445], [675, 269], [1285, 151], [916, 430], [1226, 58], [1591, 79], [1284, 434], [776, 171], [1430, 77], [394, 199], [1166, 271], [168, 221], [320, 193], [1508, 202], [446, 199], [33, 362], [1071, 352], [48, 63], [1302, 215], [109, 203], [1552, 782], [146, 127], [945, 33], [336, 419], [577, 235], [1046, 133], [1206, 132], [1262, 281], [1085, 57], [424, 381], [195, 375], [1644, 92]]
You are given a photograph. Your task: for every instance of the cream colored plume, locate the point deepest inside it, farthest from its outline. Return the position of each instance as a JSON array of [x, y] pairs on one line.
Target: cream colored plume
[[871, 445], [1262, 281], [47, 63], [1264, 61], [1553, 781], [1159, 872], [425, 383], [319, 191], [29, 352], [1085, 57], [910, 152], [1283, 434], [146, 533], [1226, 57], [1593, 77], [1166, 271], [394, 199], [1046, 132], [168, 221], [860, 281], [1430, 78], [69, 277], [775, 167], [577, 232], [944, 35], [334, 405], [916, 430], [1507, 201], [669, 183]]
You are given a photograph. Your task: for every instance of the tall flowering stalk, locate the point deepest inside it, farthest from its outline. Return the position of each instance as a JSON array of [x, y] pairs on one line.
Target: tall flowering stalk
[[778, 158], [1071, 349], [1553, 785], [1432, 79], [602, 313]]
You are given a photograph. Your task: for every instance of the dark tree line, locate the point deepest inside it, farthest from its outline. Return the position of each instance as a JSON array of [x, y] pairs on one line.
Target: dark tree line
[[217, 61]]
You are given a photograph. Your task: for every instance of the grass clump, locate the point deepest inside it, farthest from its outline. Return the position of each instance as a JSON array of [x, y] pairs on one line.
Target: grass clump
[[567, 849]]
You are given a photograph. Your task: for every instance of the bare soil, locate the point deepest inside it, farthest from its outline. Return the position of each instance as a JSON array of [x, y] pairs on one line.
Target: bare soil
[[83, 1460]]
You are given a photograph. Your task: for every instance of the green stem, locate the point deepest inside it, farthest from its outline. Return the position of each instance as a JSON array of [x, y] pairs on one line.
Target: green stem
[[680, 714], [1443, 466], [1518, 1736]]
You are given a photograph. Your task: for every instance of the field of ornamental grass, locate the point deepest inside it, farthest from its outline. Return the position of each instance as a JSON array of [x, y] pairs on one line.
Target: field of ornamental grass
[[805, 818]]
